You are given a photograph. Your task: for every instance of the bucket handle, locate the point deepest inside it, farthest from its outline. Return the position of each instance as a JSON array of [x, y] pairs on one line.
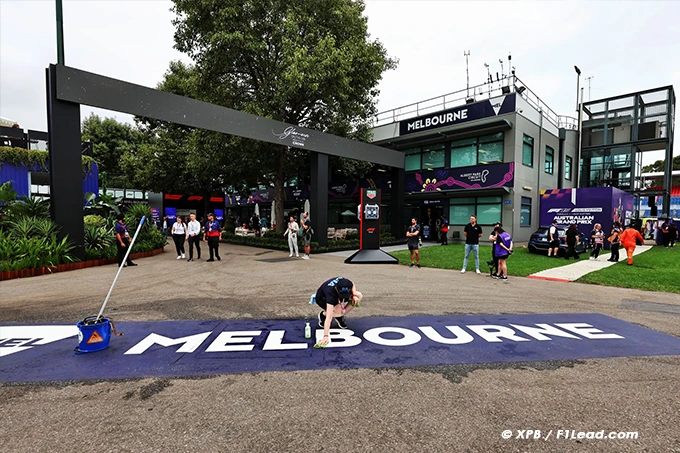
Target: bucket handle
[[94, 319]]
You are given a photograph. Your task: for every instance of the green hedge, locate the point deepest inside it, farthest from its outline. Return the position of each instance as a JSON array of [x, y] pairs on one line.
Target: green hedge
[[34, 157]]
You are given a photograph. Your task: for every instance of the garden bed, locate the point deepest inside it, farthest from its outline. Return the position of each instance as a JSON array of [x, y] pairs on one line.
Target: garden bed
[[46, 270]]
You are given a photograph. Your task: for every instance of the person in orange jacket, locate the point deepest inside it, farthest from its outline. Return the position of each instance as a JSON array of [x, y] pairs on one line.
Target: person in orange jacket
[[629, 240]]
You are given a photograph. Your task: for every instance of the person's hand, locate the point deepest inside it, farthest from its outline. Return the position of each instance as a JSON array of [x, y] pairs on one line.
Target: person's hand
[[123, 245], [324, 341]]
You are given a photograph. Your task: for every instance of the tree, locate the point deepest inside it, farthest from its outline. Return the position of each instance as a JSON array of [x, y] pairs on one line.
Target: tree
[[660, 165], [110, 140], [304, 62]]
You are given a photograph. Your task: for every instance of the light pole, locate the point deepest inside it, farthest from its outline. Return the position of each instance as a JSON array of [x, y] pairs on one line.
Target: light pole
[[60, 33], [578, 83]]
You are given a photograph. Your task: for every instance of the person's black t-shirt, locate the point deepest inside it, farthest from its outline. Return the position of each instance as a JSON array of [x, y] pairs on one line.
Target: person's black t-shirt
[[412, 229], [572, 234], [327, 293], [473, 233]]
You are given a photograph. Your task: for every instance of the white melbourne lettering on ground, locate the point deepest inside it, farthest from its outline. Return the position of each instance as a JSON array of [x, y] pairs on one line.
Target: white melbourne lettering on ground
[[233, 341], [21, 338]]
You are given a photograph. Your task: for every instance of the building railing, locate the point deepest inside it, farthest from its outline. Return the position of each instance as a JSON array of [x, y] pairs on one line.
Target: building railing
[[506, 85]]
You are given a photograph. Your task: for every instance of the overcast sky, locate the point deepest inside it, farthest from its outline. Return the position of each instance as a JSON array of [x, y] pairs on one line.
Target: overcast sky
[[625, 46]]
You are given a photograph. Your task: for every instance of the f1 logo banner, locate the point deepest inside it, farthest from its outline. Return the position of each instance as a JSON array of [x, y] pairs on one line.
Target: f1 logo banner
[[198, 348]]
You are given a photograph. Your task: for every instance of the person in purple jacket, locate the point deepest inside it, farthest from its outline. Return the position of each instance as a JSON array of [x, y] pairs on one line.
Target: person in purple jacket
[[503, 249]]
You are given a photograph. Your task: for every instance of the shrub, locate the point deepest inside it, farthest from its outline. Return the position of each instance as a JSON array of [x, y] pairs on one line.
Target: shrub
[[98, 238], [45, 228], [94, 220]]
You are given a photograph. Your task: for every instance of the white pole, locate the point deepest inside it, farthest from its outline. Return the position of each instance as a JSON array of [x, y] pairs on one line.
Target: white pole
[[120, 268]]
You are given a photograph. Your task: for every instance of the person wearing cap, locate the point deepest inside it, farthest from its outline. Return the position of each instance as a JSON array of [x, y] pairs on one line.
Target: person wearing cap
[[554, 245], [212, 237], [629, 240], [340, 296], [122, 240]]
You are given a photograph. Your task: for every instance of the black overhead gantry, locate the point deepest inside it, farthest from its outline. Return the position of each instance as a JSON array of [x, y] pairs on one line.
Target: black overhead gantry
[[68, 88]]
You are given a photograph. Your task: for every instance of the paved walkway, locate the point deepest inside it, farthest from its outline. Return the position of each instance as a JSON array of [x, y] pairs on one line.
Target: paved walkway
[[584, 266]]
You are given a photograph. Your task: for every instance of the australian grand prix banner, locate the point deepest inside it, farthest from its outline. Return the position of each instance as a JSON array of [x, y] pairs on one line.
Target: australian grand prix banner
[[457, 115], [478, 177], [585, 207]]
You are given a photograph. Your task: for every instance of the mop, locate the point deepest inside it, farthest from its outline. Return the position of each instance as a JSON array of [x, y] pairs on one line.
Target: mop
[[99, 341]]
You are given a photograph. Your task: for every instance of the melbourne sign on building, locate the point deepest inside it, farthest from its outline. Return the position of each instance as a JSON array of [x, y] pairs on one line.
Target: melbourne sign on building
[[458, 115]]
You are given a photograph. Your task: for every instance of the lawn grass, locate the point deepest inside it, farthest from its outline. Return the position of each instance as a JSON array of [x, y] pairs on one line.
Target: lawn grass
[[520, 264], [657, 269]]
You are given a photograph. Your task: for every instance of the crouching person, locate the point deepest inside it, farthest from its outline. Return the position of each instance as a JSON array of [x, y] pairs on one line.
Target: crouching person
[[336, 298]]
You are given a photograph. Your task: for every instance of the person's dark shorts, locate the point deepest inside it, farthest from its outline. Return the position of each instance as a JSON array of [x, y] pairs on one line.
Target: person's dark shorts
[[413, 246], [306, 240], [554, 244]]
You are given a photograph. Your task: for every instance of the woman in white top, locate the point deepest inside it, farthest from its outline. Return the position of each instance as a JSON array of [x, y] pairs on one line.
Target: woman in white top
[[292, 232], [179, 235]]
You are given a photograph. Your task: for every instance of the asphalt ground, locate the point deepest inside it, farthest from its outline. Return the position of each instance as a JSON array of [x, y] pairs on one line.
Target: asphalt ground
[[446, 408]]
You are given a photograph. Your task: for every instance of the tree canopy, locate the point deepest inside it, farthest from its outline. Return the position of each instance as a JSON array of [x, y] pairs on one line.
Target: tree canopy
[[305, 62], [110, 141]]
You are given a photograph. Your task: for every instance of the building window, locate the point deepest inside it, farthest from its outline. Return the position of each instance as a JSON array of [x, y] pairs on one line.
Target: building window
[[528, 151], [549, 159], [477, 150], [433, 157], [412, 161], [487, 209], [567, 169], [525, 213], [490, 149]]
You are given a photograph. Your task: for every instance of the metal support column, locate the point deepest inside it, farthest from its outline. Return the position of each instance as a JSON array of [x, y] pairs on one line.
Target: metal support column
[[319, 197], [668, 167], [66, 166], [397, 196]]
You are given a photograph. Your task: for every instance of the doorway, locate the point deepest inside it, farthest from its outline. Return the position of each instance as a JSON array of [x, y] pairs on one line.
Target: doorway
[[430, 217]]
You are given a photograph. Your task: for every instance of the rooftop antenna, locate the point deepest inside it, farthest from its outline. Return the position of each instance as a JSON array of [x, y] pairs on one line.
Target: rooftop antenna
[[511, 68], [466, 54], [500, 60], [489, 79], [589, 79]]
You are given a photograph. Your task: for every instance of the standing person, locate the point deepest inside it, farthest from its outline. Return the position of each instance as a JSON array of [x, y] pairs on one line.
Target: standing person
[[122, 240], [672, 234], [212, 237], [413, 241], [194, 236], [165, 226], [444, 228], [472, 234], [503, 248], [572, 240], [342, 296], [307, 232], [665, 236], [493, 264], [292, 232], [628, 239], [597, 236], [554, 246], [615, 241], [179, 236]]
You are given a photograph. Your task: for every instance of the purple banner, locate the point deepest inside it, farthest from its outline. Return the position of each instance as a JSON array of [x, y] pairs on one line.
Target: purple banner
[[171, 214], [479, 177], [585, 207]]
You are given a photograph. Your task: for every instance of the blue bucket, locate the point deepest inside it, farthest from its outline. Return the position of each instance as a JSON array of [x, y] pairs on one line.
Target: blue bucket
[[93, 336]]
